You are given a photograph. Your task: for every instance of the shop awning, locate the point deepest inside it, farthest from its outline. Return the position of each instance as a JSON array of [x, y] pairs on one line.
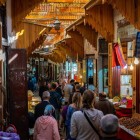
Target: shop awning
[[27, 35], [100, 17], [130, 9], [85, 30]]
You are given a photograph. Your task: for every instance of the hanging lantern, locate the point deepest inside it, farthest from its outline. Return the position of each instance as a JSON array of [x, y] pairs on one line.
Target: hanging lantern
[[57, 24]]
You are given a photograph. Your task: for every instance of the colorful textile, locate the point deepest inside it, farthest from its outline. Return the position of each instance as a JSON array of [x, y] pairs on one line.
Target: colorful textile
[[115, 61], [9, 136], [49, 110], [117, 56]]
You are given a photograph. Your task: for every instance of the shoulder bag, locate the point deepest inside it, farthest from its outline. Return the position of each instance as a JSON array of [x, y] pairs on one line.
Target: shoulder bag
[[92, 125]]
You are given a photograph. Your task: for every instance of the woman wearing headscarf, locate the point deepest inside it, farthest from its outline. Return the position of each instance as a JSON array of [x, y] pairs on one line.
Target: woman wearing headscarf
[[82, 121], [46, 127]]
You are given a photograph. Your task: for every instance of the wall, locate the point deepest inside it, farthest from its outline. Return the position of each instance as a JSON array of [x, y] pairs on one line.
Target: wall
[[100, 74]]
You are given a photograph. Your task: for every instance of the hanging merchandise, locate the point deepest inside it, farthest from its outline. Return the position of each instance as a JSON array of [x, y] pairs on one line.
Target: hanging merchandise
[[115, 61], [119, 54], [137, 49]]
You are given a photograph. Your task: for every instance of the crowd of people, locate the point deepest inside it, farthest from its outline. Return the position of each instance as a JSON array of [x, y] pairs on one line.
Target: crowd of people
[[75, 110]]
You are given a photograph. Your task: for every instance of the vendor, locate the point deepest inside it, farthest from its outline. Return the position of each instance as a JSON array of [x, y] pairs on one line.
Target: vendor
[[104, 104]]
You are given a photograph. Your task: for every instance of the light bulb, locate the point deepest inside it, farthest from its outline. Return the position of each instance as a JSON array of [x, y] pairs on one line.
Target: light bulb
[[125, 67], [81, 76], [131, 67], [136, 61]]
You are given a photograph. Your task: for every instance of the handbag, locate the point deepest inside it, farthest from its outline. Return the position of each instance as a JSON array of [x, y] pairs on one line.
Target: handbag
[[92, 125]]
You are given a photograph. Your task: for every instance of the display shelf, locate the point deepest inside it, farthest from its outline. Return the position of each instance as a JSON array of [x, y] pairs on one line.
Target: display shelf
[[127, 130], [32, 103], [130, 132]]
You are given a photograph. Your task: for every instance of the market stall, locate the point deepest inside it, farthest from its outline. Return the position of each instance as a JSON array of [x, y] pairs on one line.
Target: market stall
[[129, 127], [32, 101]]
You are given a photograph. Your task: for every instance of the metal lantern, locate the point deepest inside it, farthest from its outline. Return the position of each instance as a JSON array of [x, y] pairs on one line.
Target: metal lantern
[[57, 24]]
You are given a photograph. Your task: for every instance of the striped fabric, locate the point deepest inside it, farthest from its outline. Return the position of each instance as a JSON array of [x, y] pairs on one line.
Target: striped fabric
[[118, 57]]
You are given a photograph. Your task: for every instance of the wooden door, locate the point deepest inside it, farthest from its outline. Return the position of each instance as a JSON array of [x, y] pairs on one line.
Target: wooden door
[[1, 91], [116, 73], [113, 75], [17, 83], [110, 69]]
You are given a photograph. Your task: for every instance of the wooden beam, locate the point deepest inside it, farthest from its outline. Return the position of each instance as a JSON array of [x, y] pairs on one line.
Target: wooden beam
[[101, 19], [88, 33]]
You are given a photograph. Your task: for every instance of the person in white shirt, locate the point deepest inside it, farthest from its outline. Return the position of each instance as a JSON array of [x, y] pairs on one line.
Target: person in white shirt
[[68, 90]]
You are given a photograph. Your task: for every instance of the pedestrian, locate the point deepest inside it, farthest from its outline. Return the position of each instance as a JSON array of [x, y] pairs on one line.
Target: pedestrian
[[75, 106], [82, 121], [43, 87], [39, 108], [56, 101], [104, 104], [30, 84], [46, 126], [58, 89], [109, 127], [68, 91], [83, 88]]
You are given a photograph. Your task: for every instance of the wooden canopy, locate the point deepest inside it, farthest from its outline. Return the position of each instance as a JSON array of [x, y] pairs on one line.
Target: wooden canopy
[[100, 17], [130, 9], [34, 16], [85, 30], [74, 45]]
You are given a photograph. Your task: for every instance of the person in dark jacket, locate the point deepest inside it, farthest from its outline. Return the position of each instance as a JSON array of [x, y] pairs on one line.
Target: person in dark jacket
[[109, 127], [55, 100], [104, 104], [58, 89], [43, 88], [39, 108], [30, 84]]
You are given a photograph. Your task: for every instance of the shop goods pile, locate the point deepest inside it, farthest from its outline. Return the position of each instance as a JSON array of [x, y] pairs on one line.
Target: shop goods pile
[[131, 123], [9, 136]]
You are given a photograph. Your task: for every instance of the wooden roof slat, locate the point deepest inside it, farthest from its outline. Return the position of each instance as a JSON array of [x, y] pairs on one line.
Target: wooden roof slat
[[130, 9], [67, 1], [101, 18], [43, 12], [53, 17]]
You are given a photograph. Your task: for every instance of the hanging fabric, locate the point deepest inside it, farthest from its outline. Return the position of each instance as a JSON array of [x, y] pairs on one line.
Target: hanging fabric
[[119, 54], [115, 61], [137, 49]]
